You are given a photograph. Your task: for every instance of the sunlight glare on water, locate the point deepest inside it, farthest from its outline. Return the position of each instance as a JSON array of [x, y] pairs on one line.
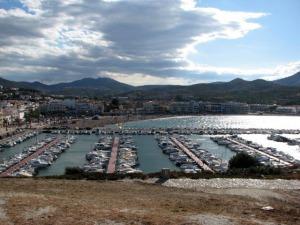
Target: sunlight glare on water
[[263, 140], [220, 122]]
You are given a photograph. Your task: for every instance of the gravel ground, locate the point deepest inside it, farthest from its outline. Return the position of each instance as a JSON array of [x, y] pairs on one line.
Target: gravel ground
[[82, 202], [234, 183]]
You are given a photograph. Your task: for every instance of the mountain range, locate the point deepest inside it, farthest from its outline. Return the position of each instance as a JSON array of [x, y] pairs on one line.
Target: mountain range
[[286, 90]]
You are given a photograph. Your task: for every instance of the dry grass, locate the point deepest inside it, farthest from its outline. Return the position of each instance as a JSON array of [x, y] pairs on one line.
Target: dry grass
[[29, 201]]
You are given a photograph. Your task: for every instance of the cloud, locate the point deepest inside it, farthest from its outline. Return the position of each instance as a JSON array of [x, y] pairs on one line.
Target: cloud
[[141, 41]]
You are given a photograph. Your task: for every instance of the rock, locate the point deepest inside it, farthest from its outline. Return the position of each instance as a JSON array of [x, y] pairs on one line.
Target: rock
[[267, 208]]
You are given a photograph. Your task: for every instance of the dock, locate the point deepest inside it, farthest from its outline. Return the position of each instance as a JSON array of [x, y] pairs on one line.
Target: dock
[[13, 137], [198, 161], [260, 152], [24, 161], [111, 168]]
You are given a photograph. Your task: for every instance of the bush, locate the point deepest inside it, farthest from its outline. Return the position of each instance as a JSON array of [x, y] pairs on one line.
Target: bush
[[242, 160]]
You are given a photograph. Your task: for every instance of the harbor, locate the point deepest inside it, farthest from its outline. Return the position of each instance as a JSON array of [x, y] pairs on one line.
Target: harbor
[[113, 157], [133, 150], [17, 139], [31, 159], [196, 160]]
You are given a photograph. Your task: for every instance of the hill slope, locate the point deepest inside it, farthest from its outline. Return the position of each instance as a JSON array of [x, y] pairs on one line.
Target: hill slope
[[257, 91], [86, 86], [293, 80]]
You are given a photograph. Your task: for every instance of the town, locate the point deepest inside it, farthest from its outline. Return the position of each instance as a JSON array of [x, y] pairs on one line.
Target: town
[[24, 108]]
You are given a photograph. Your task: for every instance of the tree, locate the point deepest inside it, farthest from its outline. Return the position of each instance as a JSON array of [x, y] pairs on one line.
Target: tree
[[242, 160], [32, 114], [115, 103], [6, 123]]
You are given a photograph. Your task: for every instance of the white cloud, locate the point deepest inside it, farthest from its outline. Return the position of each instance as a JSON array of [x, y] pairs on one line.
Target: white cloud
[[146, 41], [138, 79], [270, 73]]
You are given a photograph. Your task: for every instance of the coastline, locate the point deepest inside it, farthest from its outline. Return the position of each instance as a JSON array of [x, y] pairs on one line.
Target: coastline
[[115, 120]]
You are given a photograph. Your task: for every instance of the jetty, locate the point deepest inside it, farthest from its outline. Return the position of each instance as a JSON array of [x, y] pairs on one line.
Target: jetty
[[16, 136], [198, 161], [260, 152], [24, 161], [111, 168]]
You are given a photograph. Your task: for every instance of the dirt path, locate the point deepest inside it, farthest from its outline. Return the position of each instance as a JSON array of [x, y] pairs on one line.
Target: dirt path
[[40, 201]]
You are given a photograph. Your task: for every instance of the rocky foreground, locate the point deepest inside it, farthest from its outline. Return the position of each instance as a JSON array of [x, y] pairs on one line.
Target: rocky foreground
[[216, 201]]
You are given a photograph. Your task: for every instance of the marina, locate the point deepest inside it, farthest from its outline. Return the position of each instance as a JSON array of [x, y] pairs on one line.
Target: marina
[[125, 149], [27, 158], [197, 160], [265, 155], [17, 139], [113, 156], [35, 157]]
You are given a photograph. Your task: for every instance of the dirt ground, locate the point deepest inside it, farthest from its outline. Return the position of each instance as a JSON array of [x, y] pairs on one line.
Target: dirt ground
[[107, 120], [40, 201]]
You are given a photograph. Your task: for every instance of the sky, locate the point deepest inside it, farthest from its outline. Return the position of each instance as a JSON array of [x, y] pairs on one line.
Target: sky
[[142, 42]]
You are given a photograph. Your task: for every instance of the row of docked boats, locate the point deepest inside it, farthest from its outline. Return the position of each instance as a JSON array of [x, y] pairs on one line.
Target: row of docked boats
[[178, 157], [171, 131], [127, 160], [98, 157], [47, 157], [212, 161], [42, 160], [26, 152], [13, 141], [267, 156], [281, 138], [74, 132], [188, 131]]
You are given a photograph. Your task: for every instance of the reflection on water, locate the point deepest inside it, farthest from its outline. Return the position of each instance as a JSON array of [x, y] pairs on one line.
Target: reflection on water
[[238, 121], [72, 157], [9, 152], [150, 155], [219, 151], [262, 139]]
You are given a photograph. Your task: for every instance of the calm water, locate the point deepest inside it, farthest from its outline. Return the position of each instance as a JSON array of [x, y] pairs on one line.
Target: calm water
[[150, 155], [73, 157], [219, 151], [263, 140], [9, 152], [238, 121]]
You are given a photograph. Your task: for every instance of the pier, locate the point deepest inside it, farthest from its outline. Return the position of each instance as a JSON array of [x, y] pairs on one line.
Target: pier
[[260, 152], [2, 141], [24, 161], [111, 168], [198, 161]]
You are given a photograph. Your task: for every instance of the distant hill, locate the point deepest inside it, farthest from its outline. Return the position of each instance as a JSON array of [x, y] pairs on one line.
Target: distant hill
[[257, 91], [293, 80], [86, 86]]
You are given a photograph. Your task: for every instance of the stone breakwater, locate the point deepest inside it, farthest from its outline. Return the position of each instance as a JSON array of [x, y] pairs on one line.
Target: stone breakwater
[[170, 131], [278, 184]]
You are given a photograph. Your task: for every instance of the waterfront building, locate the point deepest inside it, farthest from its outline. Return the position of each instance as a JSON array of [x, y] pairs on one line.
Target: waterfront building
[[184, 107], [53, 107], [152, 107], [260, 108], [286, 110]]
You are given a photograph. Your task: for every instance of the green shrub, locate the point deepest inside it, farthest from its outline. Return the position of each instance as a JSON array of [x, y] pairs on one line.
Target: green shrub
[[242, 160]]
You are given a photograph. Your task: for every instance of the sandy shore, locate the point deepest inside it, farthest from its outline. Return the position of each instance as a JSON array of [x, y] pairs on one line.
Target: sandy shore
[[40, 201]]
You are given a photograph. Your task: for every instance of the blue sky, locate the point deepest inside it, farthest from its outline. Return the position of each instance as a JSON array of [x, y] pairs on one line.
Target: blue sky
[[149, 42], [277, 42]]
